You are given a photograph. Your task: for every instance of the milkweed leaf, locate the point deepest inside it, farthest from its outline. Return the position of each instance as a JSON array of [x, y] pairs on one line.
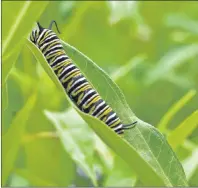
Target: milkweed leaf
[[15, 133], [144, 151]]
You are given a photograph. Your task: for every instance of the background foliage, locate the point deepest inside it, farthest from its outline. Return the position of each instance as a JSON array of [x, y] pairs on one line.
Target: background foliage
[[150, 49]]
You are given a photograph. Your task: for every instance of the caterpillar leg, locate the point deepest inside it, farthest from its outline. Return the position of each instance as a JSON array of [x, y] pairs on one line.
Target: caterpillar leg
[[129, 126]]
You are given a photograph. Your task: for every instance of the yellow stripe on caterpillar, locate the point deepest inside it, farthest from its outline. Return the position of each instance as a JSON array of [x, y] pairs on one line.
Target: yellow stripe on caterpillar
[[105, 112], [115, 123], [77, 72], [80, 90], [92, 101], [41, 41]]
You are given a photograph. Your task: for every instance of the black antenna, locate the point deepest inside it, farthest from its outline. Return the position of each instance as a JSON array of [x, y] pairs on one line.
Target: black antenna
[[50, 26], [128, 126], [40, 27]]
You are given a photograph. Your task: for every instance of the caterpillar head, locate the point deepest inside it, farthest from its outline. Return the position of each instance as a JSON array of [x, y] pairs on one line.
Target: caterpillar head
[[35, 33]]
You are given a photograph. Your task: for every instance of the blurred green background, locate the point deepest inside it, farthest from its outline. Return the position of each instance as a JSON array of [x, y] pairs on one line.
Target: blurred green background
[[155, 44]]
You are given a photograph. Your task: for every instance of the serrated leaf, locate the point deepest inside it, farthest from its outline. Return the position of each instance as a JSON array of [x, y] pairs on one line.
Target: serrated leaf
[[12, 138]]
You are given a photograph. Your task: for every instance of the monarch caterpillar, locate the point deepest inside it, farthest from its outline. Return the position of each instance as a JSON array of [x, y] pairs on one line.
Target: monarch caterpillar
[[79, 90]]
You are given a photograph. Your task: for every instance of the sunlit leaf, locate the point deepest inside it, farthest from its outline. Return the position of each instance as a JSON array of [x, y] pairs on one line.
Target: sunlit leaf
[[182, 21], [177, 136], [153, 144], [170, 61], [17, 181], [12, 138], [120, 175], [151, 172], [113, 34], [24, 81], [162, 126], [181, 81], [4, 97], [125, 69], [47, 160], [33, 178], [190, 164], [20, 18], [80, 148], [121, 9]]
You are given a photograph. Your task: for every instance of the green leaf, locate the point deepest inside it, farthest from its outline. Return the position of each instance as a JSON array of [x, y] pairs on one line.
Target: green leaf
[[17, 181], [120, 175], [29, 65], [178, 80], [24, 81], [125, 69], [122, 10], [104, 154], [4, 97], [80, 148], [46, 158], [148, 152], [193, 181], [80, 9], [153, 144], [190, 164], [170, 61], [12, 138], [162, 126], [20, 17], [181, 21], [177, 136], [33, 178]]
